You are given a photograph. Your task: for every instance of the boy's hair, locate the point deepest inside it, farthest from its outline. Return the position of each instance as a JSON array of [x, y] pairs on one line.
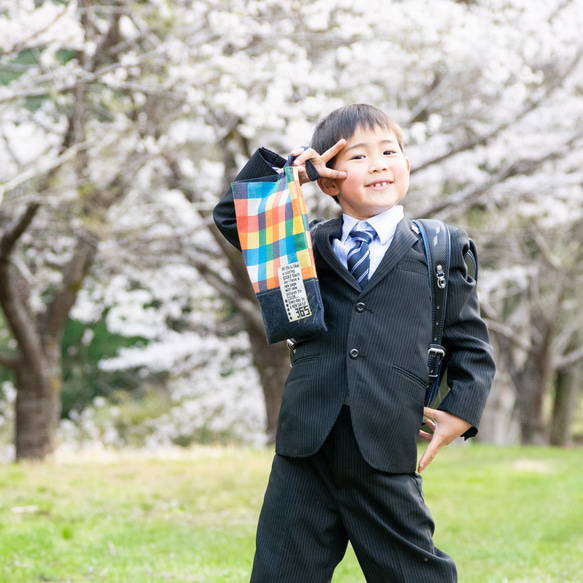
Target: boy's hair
[[343, 123]]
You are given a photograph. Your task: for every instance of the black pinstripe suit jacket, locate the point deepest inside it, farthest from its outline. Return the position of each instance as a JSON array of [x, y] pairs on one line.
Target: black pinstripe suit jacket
[[375, 350]]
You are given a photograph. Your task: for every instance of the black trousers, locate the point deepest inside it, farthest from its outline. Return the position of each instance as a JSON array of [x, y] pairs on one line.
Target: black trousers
[[314, 506]]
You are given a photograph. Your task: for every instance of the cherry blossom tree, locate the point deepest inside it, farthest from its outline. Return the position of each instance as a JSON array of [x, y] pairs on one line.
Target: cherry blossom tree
[[113, 107], [489, 95], [58, 185]]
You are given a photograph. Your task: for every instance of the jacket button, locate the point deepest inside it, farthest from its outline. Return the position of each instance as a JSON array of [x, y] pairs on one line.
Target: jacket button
[[360, 307], [353, 353]]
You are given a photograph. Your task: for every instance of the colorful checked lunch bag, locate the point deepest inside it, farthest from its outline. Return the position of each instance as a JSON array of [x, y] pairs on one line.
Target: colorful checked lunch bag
[[277, 248]]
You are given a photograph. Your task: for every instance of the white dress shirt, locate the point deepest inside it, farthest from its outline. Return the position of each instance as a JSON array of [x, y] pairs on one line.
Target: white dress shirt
[[385, 226]]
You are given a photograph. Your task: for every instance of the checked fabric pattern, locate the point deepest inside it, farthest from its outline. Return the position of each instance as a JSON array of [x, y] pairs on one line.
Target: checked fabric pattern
[[273, 229], [274, 235]]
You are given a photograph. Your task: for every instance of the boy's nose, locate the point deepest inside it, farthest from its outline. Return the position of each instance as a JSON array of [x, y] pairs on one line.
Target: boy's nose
[[379, 165]]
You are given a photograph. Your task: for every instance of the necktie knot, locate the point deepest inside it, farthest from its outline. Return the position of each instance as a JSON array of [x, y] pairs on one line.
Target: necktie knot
[[361, 236]]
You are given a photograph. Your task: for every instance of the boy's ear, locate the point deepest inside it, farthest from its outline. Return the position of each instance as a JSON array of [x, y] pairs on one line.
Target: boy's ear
[[328, 186]]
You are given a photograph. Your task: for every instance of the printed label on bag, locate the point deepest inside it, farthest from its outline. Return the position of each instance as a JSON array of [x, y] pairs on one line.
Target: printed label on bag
[[293, 292]]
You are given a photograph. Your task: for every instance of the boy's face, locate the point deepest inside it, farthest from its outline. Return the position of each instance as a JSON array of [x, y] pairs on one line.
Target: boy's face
[[377, 174]]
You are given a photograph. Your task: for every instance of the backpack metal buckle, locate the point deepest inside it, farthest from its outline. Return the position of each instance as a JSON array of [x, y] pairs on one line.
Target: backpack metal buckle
[[435, 354]]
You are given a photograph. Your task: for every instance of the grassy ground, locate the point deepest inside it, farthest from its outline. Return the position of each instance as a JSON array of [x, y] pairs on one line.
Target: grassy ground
[[503, 514]]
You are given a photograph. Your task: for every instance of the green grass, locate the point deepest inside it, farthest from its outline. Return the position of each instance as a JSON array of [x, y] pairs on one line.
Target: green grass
[[504, 514]]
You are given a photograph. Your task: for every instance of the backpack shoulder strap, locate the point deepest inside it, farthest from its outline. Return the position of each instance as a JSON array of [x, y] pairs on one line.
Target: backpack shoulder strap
[[437, 245], [471, 259]]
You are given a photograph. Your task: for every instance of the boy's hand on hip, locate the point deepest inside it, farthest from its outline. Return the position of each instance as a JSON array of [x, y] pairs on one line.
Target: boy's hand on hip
[[446, 427], [319, 162]]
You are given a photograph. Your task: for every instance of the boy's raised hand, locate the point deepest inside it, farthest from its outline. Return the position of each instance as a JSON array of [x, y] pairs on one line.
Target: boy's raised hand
[[446, 427], [319, 162]]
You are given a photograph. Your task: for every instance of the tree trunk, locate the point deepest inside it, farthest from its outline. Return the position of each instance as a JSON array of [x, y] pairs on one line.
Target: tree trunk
[[567, 386], [533, 386], [272, 364], [38, 409], [500, 424], [533, 424]]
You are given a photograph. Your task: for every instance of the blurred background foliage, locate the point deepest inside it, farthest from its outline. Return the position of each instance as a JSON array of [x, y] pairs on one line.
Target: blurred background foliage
[[128, 321]]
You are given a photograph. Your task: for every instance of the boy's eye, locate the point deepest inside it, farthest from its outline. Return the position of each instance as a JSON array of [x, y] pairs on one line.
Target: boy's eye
[[358, 157], [390, 152]]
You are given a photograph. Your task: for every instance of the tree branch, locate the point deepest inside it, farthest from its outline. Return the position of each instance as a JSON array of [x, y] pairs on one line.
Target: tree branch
[[568, 360], [25, 42], [481, 140], [508, 333], [550, 258], [14, 302], [42, 168], [111, 39], [15, 230], [248, 308], [58, 309], [85, 77], [233, 256], [470, 195]]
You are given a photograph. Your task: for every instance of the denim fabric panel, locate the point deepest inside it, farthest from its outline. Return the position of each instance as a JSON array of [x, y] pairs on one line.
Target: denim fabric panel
[[277, 324]]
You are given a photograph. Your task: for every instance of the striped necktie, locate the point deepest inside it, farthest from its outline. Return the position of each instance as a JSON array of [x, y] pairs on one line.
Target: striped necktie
[[358, 258]]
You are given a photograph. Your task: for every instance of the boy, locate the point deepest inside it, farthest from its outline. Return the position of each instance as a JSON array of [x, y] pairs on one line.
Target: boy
[[346, 445]]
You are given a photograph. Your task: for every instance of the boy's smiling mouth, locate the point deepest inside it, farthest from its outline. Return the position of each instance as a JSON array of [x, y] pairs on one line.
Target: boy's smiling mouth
[[379, 185]]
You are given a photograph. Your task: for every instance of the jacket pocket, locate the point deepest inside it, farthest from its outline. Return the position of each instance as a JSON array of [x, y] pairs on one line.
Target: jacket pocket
[[421, 382], [302, 359], [303, 353]]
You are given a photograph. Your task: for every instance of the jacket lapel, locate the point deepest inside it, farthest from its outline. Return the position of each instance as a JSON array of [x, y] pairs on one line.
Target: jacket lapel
[[322, 237], [403, 240]]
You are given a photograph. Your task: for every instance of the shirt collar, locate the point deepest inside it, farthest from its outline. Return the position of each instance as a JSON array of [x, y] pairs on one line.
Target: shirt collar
[[385, 224]]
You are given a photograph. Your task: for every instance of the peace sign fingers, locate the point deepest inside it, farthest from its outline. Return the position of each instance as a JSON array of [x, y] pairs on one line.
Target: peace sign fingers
[[312, 165]]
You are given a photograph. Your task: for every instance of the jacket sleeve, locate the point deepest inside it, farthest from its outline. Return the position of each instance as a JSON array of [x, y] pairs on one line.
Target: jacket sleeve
[[263, 163], [471, 367]]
